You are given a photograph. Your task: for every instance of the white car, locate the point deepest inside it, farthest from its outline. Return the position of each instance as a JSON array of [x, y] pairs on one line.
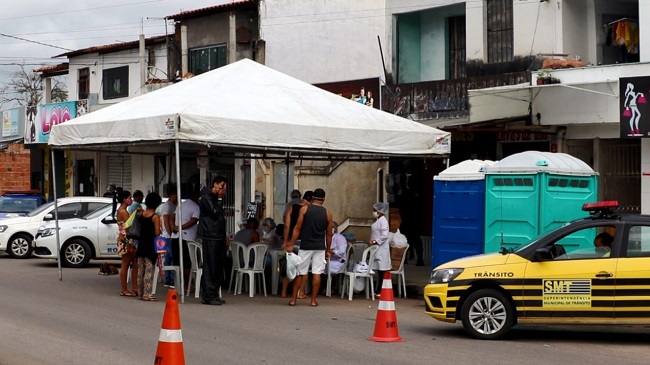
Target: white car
[[17, 233], [92, 237]]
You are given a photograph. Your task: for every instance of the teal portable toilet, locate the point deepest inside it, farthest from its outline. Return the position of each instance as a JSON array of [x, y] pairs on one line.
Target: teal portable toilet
[[531, 193], [458, 211]]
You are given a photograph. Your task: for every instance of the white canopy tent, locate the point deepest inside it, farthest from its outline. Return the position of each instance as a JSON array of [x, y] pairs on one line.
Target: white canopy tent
[[246, 107]]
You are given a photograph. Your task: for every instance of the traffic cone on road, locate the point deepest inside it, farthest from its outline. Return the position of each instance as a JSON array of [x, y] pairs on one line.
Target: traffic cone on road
[[386, 322], [170, 341]]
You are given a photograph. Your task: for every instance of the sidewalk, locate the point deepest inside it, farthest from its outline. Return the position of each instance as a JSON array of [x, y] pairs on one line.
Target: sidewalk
[[416, 278]]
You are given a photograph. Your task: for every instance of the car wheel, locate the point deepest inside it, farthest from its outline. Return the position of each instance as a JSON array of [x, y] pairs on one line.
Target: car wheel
[[487, 314], [20, 246], [76, 253]]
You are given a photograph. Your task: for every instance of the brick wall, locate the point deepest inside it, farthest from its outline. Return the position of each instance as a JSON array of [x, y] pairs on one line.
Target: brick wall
[[15, 167]]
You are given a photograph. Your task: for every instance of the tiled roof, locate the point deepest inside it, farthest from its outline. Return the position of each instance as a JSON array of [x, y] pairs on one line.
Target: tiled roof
[[234, 5], [115, 47], [53, 68]]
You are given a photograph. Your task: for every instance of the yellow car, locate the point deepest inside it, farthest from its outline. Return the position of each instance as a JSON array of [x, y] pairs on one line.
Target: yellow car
[[591, 271]]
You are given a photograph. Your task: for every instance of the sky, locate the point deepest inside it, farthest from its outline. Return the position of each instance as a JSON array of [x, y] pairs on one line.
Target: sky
[[33, 31]]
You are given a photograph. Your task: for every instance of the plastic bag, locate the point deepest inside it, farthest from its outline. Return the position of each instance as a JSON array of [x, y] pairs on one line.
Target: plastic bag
[[129, 222], [399, 240], [360, 282], [293, 261], [134, 231]]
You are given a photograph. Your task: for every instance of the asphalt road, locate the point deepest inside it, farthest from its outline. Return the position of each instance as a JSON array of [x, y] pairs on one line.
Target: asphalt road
[[83, 320]]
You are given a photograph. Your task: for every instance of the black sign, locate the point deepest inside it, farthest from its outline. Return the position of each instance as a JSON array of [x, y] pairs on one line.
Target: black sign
[[634, 110]]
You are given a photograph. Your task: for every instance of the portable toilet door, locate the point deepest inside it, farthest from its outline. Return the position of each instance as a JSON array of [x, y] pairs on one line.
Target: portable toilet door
[[458, 211]]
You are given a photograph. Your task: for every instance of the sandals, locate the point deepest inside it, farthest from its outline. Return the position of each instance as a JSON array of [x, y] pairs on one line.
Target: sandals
[[149, 299], [128, 294]]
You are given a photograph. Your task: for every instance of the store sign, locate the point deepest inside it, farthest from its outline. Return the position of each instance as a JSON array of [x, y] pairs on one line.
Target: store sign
[[10, 121], [511, 136], [634, 110], [39, 121]]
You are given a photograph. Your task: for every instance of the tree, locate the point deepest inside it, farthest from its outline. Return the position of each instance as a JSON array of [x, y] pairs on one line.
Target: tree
[[25, 88]]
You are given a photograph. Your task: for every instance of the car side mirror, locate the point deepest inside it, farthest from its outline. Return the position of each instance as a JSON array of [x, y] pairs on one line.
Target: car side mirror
[[109, 220], [48, 217], [543, 254]]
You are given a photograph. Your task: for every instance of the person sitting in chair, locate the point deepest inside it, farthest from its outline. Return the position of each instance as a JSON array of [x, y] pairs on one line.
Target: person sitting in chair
[[603, 244]]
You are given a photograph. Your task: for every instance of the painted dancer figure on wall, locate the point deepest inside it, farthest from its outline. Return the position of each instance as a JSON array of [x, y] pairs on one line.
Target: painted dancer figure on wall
[[633, 98]]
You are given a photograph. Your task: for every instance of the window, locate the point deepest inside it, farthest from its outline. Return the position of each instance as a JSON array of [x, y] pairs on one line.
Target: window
[[115, 82], [587, 243], [67, 211], [83, 83], [638, 242], [499, 31], [206, 59], [457, 47], [94, 206]]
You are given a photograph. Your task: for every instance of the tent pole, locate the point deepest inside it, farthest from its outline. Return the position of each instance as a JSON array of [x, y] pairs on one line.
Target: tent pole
[[180, 217], [56, 217], [286, 188]]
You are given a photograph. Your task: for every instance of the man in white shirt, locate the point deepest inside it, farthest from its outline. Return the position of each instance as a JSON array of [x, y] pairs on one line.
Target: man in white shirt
[[189, 220], [168, 210]]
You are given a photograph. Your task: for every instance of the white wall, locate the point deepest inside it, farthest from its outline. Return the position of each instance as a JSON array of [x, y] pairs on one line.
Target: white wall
[[324, 40], [644, 47], [534, 25]]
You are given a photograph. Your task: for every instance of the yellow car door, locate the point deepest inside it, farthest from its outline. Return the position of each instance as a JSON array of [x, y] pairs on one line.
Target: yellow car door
[[633, 277]]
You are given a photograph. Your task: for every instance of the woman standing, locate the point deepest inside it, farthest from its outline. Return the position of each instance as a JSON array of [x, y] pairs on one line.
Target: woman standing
[[379, 236], [125, 246], [146, 252]]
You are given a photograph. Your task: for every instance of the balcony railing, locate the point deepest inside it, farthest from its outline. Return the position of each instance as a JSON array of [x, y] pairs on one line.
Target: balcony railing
[[441, 99]]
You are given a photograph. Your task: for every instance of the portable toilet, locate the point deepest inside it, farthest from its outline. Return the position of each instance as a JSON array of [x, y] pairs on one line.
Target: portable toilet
[[531, 193], [458, 211]]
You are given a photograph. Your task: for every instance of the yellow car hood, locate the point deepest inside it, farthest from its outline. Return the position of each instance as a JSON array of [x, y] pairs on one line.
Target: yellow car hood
[[491, 259]]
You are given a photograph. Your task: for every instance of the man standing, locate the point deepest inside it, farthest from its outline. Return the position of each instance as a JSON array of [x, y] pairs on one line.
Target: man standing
[[168, 210], [189, 221], [314, 227], [213, 231]]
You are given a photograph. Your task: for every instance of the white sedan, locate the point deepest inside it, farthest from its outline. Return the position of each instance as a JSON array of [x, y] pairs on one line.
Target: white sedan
[[17, 233], [91, 237]]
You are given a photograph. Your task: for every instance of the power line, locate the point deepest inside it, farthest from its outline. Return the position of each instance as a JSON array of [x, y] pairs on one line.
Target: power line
[[31, 41], [79, 10]]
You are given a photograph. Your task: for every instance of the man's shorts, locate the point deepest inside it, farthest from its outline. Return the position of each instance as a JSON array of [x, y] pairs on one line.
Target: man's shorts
[[314, 257]]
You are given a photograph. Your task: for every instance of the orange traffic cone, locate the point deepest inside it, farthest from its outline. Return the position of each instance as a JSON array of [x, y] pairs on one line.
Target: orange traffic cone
[[170, 341], [386, 322]]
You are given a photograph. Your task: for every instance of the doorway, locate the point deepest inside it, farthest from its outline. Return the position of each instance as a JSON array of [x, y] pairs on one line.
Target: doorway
[[85, 178]]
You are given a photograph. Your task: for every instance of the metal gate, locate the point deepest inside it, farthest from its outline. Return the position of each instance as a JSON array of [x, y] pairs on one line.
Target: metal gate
[[119, 170], [620, 173]]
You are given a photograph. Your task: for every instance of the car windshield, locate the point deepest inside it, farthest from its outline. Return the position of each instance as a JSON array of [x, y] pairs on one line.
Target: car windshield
[[17, 205], [40, 209], [99, 212]]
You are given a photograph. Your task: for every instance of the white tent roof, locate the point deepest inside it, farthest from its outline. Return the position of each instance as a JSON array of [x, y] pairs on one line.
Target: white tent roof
[[465, 170], [248, 106]]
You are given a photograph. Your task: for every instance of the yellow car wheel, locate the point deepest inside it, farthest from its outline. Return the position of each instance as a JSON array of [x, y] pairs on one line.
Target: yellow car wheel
[[487, 314]]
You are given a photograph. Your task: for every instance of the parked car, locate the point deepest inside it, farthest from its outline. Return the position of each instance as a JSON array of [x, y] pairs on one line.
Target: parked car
[[16, 203], [17, 233], [590, 271]]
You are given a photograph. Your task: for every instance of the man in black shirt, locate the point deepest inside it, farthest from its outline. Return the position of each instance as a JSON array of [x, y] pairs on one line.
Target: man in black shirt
[[314, 227], [212, 224]]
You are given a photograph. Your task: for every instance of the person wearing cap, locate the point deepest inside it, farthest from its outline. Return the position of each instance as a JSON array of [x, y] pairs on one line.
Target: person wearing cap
[[314, 227], [379, 236], [290, 219]]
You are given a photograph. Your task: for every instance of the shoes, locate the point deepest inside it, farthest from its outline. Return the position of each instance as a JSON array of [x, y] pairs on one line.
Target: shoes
[[169, 286], [212, 302], [128, 294]]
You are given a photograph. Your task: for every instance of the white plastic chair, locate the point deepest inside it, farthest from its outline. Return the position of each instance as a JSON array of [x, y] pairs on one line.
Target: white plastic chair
[[237, 250], [175, 269], [259, 250], [368, 257], [400, 274], [328, 290], [196, 257], [357, 253]]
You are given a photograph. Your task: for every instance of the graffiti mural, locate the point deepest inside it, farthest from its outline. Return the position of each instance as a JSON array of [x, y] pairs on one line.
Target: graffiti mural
[[440, 99], [39, 121]]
